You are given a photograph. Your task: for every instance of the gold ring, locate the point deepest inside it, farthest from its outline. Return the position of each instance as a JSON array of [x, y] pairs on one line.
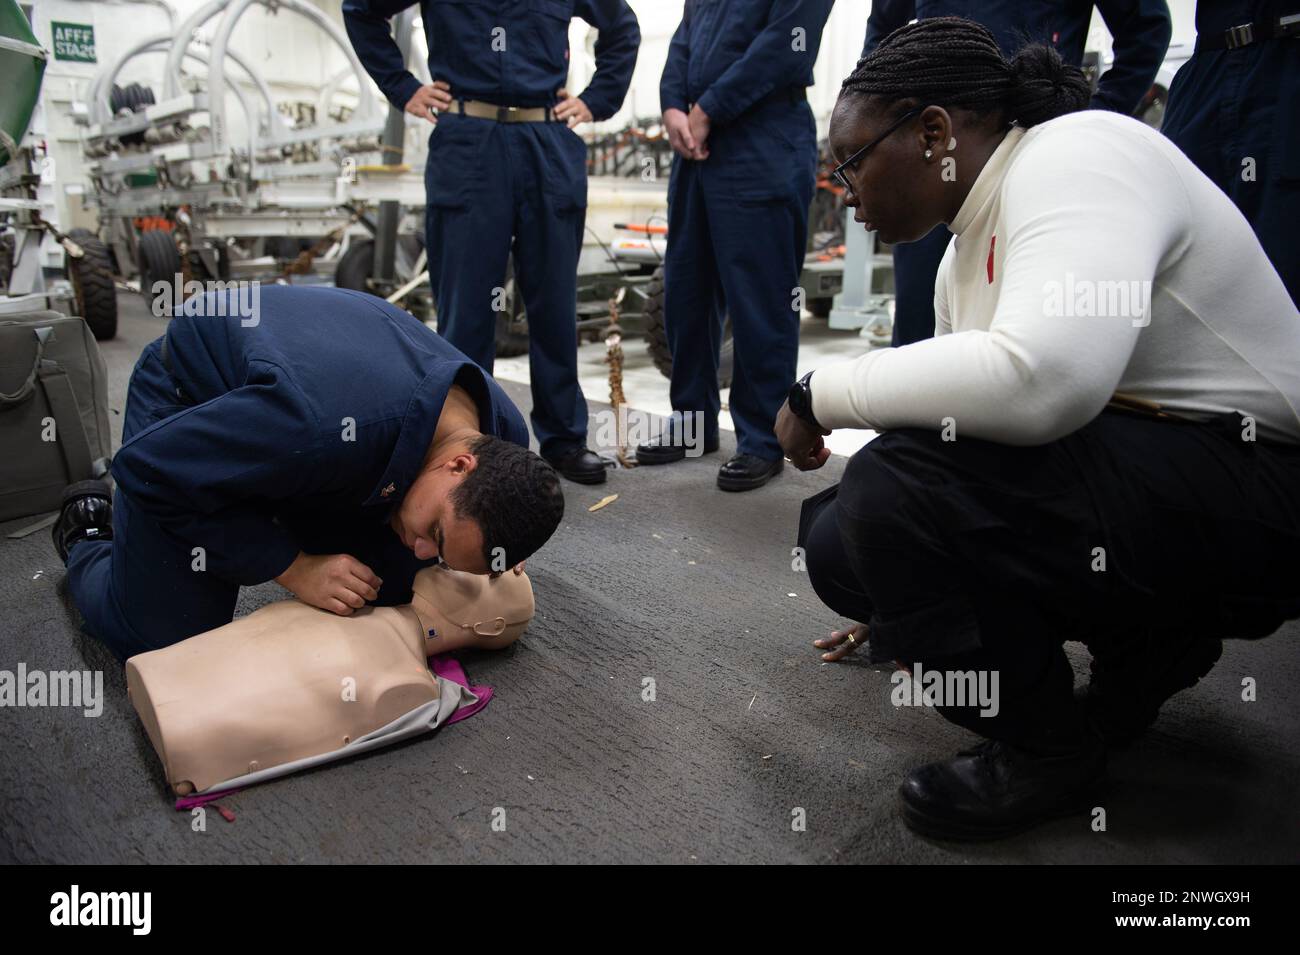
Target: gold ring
[[853, 639]]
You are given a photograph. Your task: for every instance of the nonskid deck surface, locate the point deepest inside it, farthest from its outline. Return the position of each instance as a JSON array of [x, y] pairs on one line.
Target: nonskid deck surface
[[675, 583]]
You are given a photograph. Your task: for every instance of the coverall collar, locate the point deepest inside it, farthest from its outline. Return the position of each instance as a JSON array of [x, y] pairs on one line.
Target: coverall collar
[[418, 425]]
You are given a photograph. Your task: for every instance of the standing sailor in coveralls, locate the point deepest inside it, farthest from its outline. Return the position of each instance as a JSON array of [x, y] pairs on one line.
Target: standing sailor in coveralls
[[506, 173], [1232, 110], [736, 113]]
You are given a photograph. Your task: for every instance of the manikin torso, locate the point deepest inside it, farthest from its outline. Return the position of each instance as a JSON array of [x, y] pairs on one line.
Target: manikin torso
[[290, 682]]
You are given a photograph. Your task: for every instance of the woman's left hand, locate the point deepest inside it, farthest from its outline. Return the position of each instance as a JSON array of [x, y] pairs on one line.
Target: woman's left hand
[[842, 642], [801, 442]]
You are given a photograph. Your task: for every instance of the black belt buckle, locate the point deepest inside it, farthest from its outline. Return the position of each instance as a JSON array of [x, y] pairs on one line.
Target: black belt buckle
[[503, 114], [1241, 35]]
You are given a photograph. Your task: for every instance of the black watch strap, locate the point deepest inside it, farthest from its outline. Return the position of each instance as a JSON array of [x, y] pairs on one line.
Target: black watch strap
[[800, 400]]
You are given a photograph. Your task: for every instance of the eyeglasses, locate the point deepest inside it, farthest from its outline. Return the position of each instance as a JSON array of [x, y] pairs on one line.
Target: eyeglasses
[[838, 173]]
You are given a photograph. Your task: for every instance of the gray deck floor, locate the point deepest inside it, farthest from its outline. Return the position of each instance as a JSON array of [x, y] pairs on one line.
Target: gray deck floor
[[678, 582]]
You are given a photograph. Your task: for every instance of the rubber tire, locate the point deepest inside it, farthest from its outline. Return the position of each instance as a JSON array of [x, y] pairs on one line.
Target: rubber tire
[[92, 280], [656, 335], [355, 266], [199, 271], [6, 259], [158, 259]]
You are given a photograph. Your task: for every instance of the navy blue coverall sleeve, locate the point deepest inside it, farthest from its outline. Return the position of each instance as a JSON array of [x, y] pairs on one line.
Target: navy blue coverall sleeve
[[616, 49], [672, 85], [773, 60], [886, 17], [212, 473], [1141, 31], [372, 38]]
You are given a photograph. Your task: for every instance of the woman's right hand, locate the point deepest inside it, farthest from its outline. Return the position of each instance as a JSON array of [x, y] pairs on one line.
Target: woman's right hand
[[842, 642], [338, 583]]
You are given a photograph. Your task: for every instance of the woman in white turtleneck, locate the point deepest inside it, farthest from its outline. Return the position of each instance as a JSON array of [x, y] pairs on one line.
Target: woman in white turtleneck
[[1103, 434]]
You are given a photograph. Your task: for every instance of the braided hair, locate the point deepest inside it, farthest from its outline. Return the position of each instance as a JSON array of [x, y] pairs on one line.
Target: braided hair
[[956, 63]]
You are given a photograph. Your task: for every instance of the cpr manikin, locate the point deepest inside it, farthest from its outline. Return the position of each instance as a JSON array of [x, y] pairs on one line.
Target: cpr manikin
[[290, 686]]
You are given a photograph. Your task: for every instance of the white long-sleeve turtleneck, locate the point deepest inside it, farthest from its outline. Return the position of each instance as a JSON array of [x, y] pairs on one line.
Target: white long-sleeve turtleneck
[[1090, 257]]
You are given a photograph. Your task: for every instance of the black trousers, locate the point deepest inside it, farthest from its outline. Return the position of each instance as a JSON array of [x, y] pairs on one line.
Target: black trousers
[[970, 555]]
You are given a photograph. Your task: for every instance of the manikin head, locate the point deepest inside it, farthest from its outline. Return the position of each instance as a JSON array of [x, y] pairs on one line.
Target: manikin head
[[482, 507], [939, 96]]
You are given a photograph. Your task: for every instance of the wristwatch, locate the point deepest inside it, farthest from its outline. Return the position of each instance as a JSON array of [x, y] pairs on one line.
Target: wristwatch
[[800, 401]]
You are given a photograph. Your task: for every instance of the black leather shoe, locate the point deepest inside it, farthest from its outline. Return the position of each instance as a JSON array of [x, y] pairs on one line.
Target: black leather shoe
[[744, 472], [1126, 689], [996, 790], [581, 465], [87, 514], [664, 450]]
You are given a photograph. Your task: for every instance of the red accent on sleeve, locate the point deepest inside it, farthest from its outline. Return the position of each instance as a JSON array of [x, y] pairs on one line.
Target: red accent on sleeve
[[992, 242]]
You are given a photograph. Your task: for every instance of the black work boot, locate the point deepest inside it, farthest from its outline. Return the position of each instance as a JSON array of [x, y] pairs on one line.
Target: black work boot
[[996, 789], [745, 472], [667, 448], [579, 464], [1128, 686], [87, 514]]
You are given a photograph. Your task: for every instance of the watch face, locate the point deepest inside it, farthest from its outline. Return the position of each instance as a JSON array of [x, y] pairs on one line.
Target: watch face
[[796, 397]]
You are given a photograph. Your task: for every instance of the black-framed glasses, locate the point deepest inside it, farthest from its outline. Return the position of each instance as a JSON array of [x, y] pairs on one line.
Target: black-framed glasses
[[838, 173]]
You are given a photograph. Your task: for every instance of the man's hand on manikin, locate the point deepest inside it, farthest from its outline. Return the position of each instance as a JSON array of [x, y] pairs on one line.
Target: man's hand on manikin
[[338, 583], [429, 100]]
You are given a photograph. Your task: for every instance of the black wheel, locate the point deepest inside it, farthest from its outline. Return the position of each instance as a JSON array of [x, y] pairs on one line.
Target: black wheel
[[356, 266], [657, 337], [92, 281], [199, 268], [821, 307], [133, 97], [6, 259], [158, 260]]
